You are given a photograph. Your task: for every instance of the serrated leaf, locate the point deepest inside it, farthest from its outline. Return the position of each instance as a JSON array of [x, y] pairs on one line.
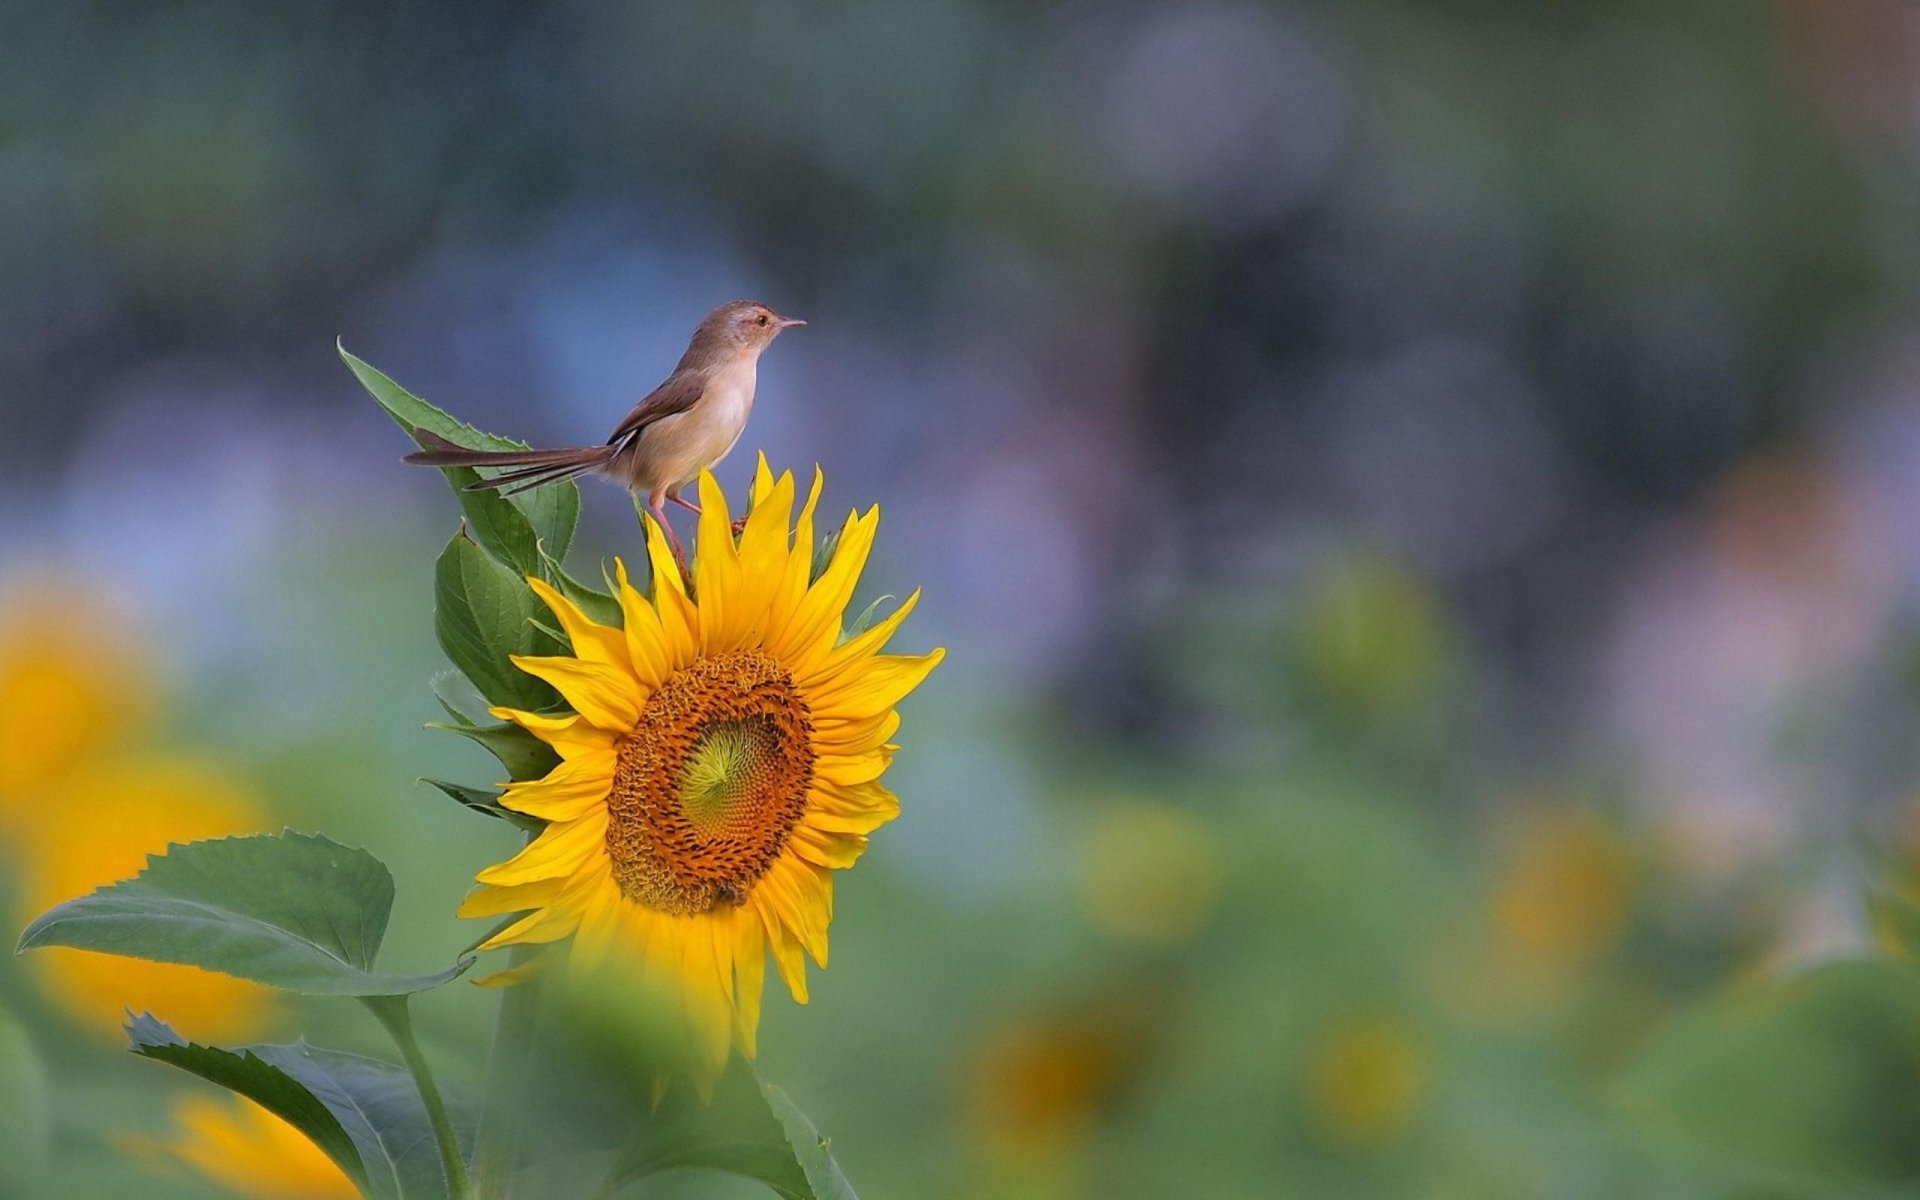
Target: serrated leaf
[[485, 802], [511, 528], [296, 911], [363, 1113], [749, 1129], [483, 614], [523, 755], [812, 1151]]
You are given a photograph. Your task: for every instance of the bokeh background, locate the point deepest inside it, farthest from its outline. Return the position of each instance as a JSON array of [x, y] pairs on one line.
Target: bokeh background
[[1422, 500]]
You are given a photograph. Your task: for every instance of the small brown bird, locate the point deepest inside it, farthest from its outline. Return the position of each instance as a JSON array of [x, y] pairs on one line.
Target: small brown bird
[[684, 426]]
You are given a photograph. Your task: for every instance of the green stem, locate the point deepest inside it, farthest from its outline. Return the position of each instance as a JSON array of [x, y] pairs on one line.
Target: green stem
[[512, 1043], [391, 1012]]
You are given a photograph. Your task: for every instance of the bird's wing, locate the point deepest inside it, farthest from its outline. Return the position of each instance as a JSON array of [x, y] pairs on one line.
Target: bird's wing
[[678, 394]]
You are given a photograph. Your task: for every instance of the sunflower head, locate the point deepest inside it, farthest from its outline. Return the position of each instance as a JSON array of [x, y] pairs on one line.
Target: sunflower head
[[720, 761]]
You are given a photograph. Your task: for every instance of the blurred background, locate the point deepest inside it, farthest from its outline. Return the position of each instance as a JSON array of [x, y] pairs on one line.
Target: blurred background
[[1423, 501]]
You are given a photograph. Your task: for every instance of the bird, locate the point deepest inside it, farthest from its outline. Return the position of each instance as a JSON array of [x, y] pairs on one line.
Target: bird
[[681, 428]]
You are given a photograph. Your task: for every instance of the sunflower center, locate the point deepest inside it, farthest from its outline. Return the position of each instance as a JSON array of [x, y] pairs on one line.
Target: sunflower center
[[709, 784]]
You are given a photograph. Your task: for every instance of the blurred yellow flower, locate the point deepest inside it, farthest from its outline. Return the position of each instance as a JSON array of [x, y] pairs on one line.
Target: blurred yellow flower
[[721, 762], [1038, 1087], [1149, 873], [246, 1150], [1559, 902], [69, 691], [1561, 898], [99, 827], [1367, 1080]]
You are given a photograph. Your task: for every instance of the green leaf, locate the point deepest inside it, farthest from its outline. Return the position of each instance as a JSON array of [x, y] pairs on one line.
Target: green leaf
[[823, 557], [865, 620], [750, 1129], [522, 754], [487, 802], [363, 1113], [512, 528], [293, 910], [483, 613], [599, 605], [457, 697], [812, 1151], [1813, 1080]]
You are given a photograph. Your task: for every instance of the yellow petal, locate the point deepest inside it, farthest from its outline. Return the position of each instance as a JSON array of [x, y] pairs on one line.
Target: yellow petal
[[602, 927], [716, 570], [792, 589], [882, 682], [802, 894], [591, 641], [817, 620], [864, 768], [789, 957], [817, 890], [762, 483], [529, 970], [566, 792], [861, 808], [853, 738], [750, 973], [764, 555], [679, 620], [488, 901], [547, 924], [646, 643], [827, 669], [718, 923], [825, 848], [571, 736], [560, 849], [605, 696], [708, 1011]]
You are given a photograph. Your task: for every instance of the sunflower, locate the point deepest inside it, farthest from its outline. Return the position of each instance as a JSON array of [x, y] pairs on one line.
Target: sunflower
[[721, 760]]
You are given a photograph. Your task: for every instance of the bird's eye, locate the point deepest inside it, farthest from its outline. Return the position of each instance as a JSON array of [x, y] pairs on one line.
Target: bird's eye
[[761, 319]]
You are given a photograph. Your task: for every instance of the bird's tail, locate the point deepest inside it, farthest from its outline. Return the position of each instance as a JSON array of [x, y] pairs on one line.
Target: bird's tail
[[537, 467]]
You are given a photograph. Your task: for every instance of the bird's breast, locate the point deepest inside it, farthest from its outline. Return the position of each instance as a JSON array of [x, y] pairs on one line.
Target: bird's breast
[[674, 450]]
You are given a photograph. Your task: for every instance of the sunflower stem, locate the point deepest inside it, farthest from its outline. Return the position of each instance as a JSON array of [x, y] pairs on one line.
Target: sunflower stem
[[512, 1043], [391, 1012]]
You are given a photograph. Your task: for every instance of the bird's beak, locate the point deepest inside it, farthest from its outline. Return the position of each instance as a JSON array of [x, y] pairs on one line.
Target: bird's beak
[[788, 322]]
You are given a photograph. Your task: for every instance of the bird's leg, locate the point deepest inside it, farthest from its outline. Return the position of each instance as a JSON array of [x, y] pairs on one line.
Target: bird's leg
[[739, 523], [656, 504]]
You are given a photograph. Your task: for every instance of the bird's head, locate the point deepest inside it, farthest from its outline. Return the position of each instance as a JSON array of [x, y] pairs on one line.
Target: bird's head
[[743, 325]]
